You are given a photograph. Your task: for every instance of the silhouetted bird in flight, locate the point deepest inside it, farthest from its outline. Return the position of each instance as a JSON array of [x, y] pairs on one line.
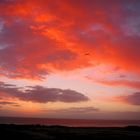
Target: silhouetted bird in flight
[[87, 53]]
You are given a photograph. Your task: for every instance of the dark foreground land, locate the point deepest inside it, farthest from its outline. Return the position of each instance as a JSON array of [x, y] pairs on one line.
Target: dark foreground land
[[38, 132]]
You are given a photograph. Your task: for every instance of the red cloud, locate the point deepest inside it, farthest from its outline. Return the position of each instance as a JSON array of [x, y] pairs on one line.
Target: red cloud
[[38, 37], [127, 83]]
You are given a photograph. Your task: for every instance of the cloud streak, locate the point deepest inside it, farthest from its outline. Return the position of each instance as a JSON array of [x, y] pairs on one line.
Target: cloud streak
[[126, 83], [75, 110], [3, 103]]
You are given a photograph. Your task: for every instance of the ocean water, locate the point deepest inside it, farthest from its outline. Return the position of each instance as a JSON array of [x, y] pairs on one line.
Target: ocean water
[[70, 122]]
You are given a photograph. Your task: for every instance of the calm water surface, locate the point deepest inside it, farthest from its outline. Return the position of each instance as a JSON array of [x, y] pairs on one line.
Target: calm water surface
[[69, 122]]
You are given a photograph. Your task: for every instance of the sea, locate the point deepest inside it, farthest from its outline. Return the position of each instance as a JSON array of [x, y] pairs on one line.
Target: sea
[[69, 122]]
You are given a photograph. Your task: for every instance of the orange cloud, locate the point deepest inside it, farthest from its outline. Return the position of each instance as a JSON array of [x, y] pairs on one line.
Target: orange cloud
[[40, 37]]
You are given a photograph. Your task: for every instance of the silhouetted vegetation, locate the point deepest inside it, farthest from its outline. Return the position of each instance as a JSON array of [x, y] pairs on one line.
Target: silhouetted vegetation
[[39, 132]]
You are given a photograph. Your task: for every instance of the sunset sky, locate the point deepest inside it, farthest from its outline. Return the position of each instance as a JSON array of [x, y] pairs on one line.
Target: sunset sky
[[70, 58]]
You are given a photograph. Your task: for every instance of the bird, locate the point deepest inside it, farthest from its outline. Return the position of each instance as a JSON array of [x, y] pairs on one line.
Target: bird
[[87, 53]]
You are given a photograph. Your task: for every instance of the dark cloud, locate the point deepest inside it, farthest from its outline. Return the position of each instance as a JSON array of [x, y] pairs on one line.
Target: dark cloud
[[133, 99], [41, 94]]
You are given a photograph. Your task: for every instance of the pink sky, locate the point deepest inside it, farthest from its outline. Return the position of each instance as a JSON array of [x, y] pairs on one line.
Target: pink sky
[[70, 59]]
